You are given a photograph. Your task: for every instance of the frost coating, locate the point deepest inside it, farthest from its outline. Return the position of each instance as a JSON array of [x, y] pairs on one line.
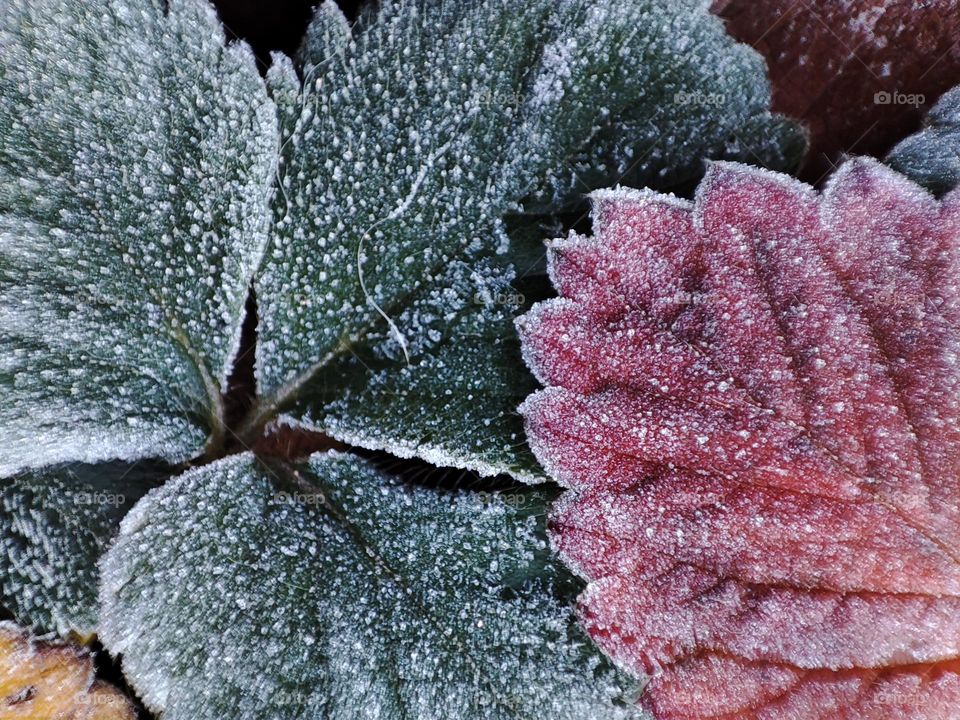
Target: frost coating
[[413, 135], [135, 169], [931, 157], [329, 591], [755, 401], [54, 526], [674, 89], [326, 37], [454, 404]]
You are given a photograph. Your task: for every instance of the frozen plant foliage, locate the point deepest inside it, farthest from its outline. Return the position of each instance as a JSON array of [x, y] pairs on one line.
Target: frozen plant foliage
[[149, 179], [131, 132], [410, 139], [755, 401], [676, 89], [325, 590], [454, 407], [931, 157], [136, 160], [54, 526]]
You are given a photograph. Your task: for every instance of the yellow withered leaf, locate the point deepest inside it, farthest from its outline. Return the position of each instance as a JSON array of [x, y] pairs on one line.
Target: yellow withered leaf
[[50, 680]]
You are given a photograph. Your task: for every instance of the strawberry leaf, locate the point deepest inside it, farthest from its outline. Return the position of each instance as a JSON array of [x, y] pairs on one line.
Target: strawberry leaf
[[329, 590], [756, 402], [54, 526], [135, 171], [931, 157], [455, 404], [411, 137], [676, 90]]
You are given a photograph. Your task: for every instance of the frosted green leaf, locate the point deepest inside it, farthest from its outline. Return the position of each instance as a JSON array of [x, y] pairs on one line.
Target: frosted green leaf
[[55, 524], [454, 404], [675, 89], [326, 37], [393, 166], [414, 134], [137, 153], [327, 590], [931, 157]]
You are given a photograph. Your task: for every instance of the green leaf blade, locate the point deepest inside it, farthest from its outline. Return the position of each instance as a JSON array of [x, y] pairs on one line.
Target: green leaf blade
[[931, 157], [328, 590], [453, 402], [55, 524], [138, 152], [394, 138]]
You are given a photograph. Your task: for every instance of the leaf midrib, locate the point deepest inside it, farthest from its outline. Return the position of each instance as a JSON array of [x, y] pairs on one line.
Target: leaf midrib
[[369, 554], [861, 482]]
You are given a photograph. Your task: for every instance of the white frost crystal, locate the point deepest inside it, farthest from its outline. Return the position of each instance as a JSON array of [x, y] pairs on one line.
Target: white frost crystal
[[137, 154], [54, 526], [412, 136], [148, 176], [243, 590]]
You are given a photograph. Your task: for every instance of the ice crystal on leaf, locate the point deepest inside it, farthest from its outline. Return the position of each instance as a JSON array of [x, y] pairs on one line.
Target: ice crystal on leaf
[[136, 158], [754, 400], [410, 138], [456, 405], [326, 590], [54, 526], [931, 157]]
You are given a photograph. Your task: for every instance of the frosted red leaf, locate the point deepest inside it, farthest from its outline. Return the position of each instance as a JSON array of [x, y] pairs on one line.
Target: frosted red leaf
[[858, 73], [754, 400]]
